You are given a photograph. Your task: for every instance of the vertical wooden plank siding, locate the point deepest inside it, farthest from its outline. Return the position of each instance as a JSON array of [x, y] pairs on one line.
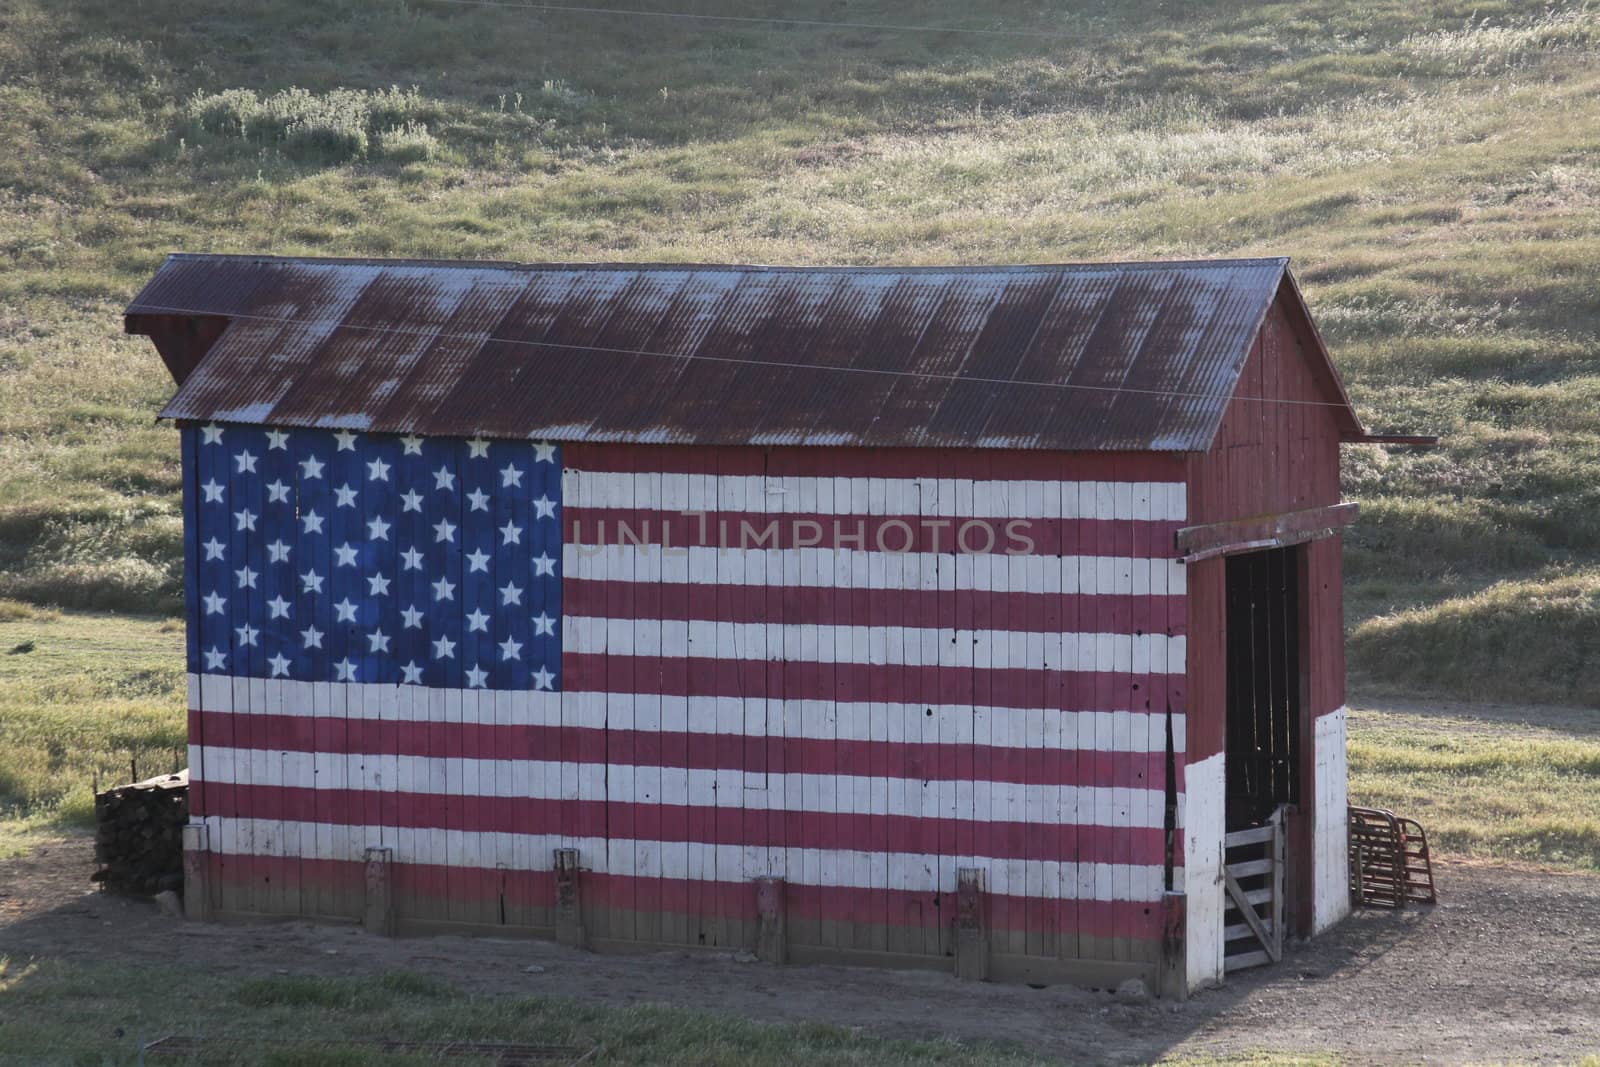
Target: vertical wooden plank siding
[[856, 671]]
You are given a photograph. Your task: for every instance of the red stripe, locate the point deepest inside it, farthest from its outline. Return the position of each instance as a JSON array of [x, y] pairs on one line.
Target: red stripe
[[924, 761], [842, 606], [784, 461], [682, 823], [729, 900], [929, 685], [880, 533]]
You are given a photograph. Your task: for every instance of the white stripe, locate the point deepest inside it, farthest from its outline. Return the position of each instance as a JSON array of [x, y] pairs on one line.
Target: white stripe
[[906, 871], [850, 644], [849, 568], [685, 787], [826, 720], [1022, 499]]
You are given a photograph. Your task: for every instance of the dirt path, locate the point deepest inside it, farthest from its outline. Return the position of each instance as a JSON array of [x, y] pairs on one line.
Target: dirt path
[[1506, 968]]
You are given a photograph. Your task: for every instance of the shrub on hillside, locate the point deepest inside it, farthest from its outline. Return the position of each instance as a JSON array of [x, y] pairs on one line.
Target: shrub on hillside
[[330, 127]]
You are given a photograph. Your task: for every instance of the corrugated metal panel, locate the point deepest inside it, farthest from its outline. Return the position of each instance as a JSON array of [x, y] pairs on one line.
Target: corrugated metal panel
[[1127, 357]]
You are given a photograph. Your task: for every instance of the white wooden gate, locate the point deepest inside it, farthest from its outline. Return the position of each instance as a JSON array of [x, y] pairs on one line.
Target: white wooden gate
[[1252, 872]]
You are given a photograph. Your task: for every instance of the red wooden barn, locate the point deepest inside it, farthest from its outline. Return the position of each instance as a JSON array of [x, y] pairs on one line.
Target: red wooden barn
[[951, 616]]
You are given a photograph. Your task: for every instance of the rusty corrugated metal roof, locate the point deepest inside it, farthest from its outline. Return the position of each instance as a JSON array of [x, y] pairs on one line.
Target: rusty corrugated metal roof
[[1104, 356]]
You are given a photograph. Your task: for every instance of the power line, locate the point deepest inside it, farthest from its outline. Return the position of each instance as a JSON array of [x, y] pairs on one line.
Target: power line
[[779, 20], [481, 339]]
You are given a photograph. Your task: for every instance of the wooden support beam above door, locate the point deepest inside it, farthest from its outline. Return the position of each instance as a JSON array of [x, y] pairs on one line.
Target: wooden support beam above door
[[1195, 543]]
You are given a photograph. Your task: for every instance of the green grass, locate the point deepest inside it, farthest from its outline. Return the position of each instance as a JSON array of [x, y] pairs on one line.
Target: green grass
[[1525, 793], [60, 1012], [81, 696]]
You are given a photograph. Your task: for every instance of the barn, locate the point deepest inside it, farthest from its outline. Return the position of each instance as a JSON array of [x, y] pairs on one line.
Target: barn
[[980, 618]]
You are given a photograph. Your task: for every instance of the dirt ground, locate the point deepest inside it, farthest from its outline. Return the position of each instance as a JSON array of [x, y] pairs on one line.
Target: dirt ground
[[1507, 967]]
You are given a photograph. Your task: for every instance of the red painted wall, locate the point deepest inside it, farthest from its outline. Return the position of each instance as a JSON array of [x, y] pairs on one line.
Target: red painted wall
[[1269, 457]]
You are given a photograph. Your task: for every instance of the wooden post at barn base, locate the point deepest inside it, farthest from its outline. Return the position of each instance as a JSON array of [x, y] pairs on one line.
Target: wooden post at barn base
[[972, 935], [569, 910], [196, 883], [378, 915], [772, 933], [1173, 979]]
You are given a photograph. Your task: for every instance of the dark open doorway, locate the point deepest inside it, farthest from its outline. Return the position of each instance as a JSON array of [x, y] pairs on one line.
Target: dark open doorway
[[1263, 647]]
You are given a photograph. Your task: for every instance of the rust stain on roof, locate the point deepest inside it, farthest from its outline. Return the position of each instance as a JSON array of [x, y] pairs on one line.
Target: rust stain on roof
[[1111, 356]]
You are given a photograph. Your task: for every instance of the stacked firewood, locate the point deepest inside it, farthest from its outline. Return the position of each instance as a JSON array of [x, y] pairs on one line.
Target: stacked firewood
[[138, 840]]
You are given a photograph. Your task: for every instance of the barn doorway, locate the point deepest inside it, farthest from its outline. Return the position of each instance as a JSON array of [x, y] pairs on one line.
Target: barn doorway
[[1263, 750], [1263, 647]]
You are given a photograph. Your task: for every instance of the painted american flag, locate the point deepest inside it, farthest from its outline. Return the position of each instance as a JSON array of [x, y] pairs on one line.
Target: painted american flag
[[341, 557], [695, 666]]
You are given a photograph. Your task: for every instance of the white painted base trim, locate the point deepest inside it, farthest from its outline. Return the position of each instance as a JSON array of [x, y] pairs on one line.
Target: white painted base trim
[[1204, 822], [1330, 826]]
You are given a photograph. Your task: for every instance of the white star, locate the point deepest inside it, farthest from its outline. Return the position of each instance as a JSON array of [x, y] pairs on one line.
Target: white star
[[444, 530], [277, 492], [510, 594], [377, 471], [411, 560], [245, 462], [377, 529], [443, 479], [544, 508], [278, 552], [444, 589], [347, 441], [211, 434], [346, 495], [477, 448], [311, 637], [510, 648], [413, 674], [477, 678], [312, 522], [477, 560], [215, 602], [213, 549], [543, 624], [377, 641], [411, 501], [278, 608], [412, 618], [246, 519], [510, 533], [411, 445], [377, 585], [247, 634], [347, 671], [509, 475], [311, 582], [311, 467], [543, 679], [543, 564], [279, 665], [347, 555], [213, 491], [277, 439], [216, 659], [544, 452], [479, 500], [344, 611], [444, 648], [246, 577], [477, 621]]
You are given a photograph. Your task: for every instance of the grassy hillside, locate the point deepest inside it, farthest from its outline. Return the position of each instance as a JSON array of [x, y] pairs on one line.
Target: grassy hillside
[[1433, 168]]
